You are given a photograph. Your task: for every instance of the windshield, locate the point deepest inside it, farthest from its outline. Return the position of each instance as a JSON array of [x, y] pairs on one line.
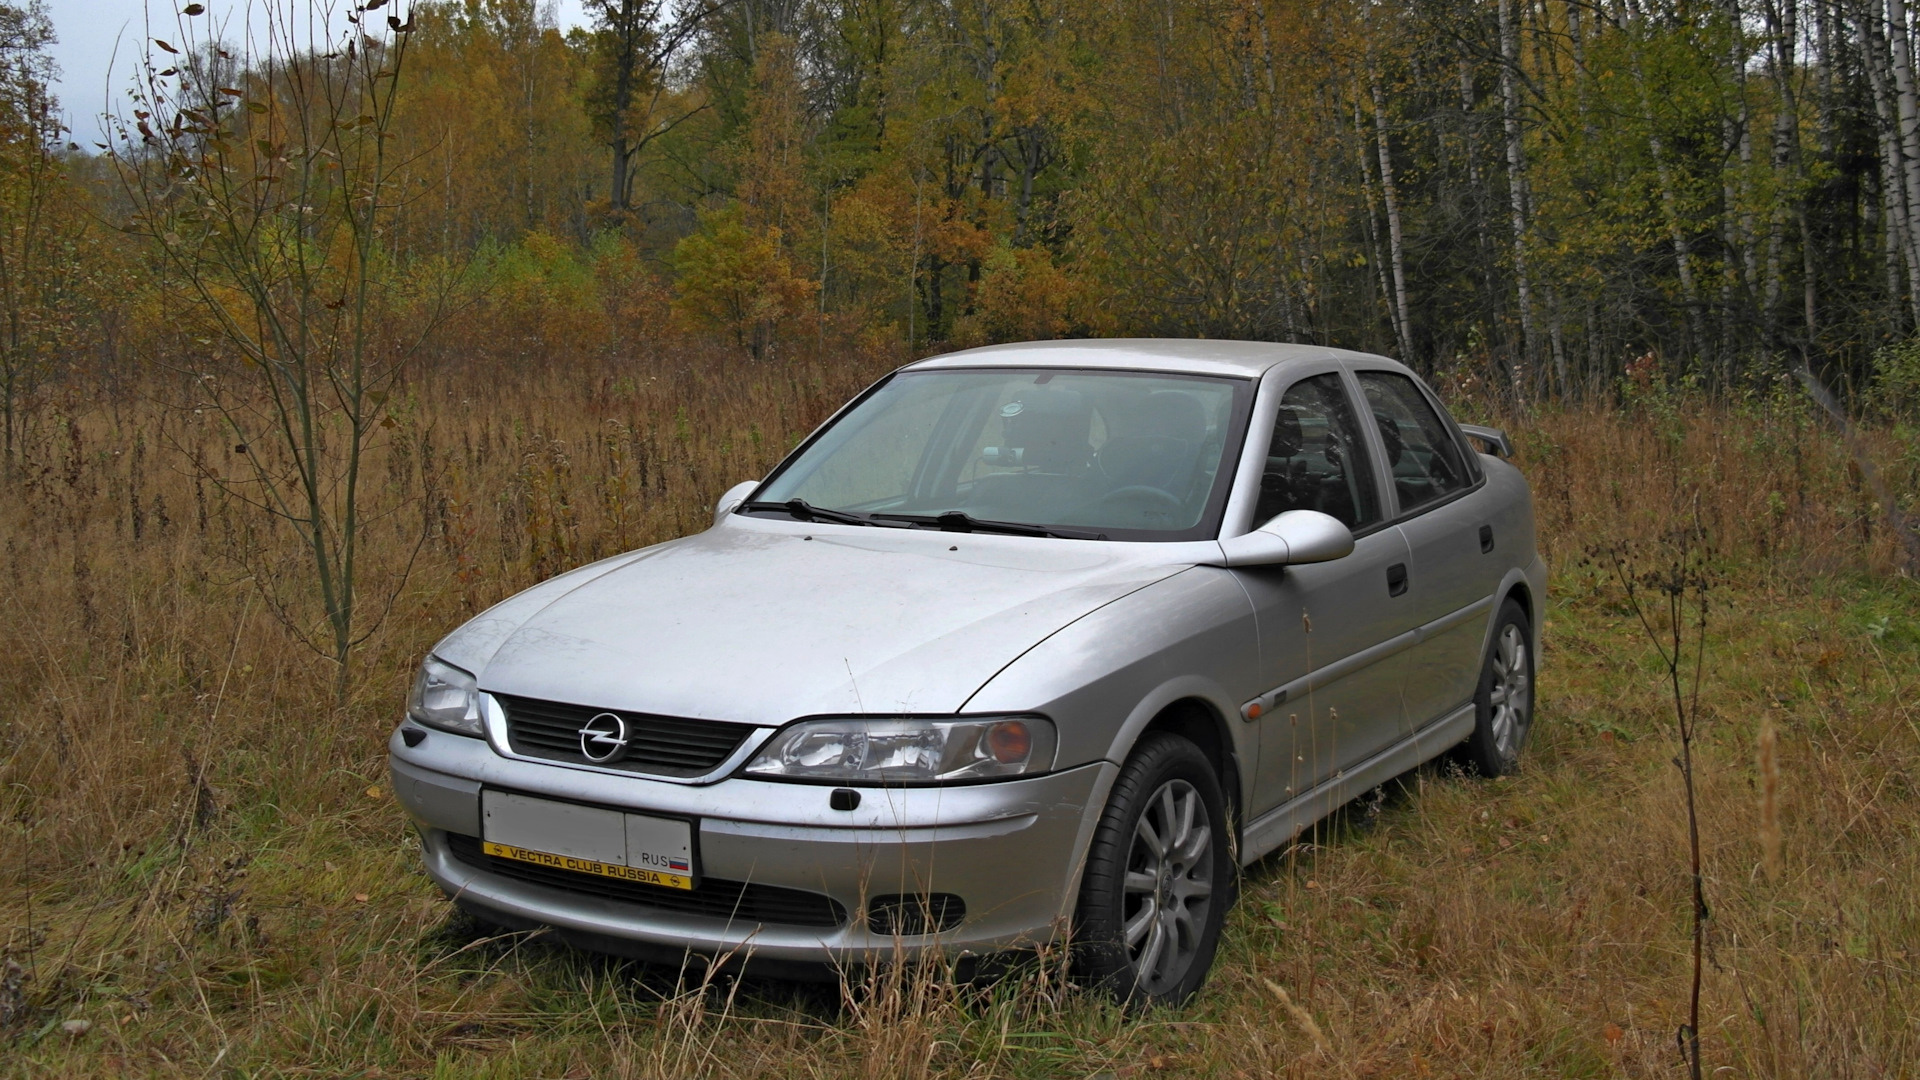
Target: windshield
[[1124, 455]]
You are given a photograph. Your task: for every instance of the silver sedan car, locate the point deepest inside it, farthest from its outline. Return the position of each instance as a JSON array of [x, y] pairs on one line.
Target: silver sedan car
[[1027, 644]]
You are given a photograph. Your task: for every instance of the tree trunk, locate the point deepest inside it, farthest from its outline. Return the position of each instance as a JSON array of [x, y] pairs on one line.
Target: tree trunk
[[626, 17], [1477, 200], [1783, 31], [1563, 382], [1583, 91], [1790, 155], [1670, 209], [1735, 226], [1379, 266], [1516, 182], [1896, 229], [1909, 115], [1402, 324]]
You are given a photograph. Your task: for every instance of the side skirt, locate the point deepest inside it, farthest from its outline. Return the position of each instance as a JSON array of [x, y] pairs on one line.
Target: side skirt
[[1288, 820]]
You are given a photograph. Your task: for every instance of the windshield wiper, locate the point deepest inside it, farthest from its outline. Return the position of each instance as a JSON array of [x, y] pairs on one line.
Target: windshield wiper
[[806, 511], [961, 521]]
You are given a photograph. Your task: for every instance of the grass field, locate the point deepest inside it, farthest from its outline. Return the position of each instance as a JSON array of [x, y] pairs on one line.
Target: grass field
[[203, 864]]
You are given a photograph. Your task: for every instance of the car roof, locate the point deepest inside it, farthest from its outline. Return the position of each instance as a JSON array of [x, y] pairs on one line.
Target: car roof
[[1191, 356]]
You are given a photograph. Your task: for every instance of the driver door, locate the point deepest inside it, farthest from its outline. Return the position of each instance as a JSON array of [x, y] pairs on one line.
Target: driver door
[[1319, 622]]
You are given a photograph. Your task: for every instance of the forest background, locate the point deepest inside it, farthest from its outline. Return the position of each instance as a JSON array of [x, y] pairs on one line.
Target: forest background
[[1538, 193], [348, 329]]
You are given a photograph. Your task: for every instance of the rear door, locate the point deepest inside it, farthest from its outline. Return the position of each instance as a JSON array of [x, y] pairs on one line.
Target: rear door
[[1446, 513], [1323, 626]]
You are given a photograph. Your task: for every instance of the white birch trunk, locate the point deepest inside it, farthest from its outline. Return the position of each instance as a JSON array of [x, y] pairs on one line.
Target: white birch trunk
[[1516, 182], [1902, 266], [1782, 32], [1373, 228], [1402, 324], [1908, 114]]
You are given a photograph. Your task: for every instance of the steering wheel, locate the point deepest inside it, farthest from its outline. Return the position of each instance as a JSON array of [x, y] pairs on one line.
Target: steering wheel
[[1167, 499]]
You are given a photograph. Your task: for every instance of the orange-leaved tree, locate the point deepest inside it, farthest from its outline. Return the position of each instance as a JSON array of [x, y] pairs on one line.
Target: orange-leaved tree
[[735, 278]]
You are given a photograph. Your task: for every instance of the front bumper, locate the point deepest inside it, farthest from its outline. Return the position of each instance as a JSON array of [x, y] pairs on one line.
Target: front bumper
[[1010, 850]]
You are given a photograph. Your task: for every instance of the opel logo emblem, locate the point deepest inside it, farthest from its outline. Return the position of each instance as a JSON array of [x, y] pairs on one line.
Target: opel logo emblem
[[603, 739]]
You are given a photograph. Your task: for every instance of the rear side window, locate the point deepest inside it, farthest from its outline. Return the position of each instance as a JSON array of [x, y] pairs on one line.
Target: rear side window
[[1316, 459], [1422, 454]]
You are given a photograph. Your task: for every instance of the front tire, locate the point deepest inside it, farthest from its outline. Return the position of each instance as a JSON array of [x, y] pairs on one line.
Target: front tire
[[1159, 877], [1503, 700]]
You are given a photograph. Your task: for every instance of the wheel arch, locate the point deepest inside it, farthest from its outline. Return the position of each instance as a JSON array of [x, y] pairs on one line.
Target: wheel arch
[[1516, 586], [1195, 712], [1196, 720], [1522, 593]]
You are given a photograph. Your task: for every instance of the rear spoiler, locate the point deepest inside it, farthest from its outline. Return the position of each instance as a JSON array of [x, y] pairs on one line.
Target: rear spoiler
[[1494, 439]]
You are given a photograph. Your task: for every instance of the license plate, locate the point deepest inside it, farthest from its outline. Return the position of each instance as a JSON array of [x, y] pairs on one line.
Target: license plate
[[588, 839]]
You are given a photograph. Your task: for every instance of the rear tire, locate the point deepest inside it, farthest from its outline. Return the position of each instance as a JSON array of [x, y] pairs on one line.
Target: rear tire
[[1503, 701], [1159, 877]]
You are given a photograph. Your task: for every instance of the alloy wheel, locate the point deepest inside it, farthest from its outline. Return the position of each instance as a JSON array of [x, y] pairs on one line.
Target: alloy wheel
[[1168, 890], [1511, 695]]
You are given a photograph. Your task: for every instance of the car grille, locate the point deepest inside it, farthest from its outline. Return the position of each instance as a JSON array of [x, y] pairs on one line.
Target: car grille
[[662, 745], [738, 901]]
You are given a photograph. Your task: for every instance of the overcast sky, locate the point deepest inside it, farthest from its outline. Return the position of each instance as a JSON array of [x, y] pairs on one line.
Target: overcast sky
[[91, 73]]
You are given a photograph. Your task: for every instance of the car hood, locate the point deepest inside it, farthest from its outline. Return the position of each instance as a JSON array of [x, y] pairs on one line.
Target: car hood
[[763, 621]]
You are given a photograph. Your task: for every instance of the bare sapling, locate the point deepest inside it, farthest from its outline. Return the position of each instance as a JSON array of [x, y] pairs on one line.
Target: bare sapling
[[1667, 589], [262, 184]]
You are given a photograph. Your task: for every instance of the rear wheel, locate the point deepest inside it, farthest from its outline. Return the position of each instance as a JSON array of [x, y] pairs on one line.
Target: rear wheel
[[1159, 877], [1503, 701]]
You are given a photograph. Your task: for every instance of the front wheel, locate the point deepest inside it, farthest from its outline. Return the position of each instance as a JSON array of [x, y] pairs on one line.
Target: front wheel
[[1503, 701], [1159, 877]]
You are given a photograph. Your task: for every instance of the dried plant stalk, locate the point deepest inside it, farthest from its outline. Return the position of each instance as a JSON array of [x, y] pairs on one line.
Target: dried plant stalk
[[1769, 762]]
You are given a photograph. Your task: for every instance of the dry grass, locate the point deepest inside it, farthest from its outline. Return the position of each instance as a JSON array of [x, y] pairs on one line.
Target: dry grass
[[202, 861]]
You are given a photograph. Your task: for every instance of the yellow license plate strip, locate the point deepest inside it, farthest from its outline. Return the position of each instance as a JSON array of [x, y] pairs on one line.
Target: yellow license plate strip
[[587, 866]]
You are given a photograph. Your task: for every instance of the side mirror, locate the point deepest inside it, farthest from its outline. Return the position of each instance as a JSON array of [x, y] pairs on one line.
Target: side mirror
[[735, 495], [1494, 439], [1293, 538]]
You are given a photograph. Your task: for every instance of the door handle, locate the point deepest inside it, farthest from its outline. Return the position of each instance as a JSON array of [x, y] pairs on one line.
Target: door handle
[[1486, 539], [1397, 579]]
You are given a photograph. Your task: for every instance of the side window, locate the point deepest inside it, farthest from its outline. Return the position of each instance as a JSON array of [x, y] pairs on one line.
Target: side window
[[1316, 459], [1422, 454]]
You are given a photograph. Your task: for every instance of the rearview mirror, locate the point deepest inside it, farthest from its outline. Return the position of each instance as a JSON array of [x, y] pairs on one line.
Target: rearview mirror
[[1291, 539], [734, 497]]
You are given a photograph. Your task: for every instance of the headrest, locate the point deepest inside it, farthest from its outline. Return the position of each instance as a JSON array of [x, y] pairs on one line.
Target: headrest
[[1288, 439], [1390, 434], [1050, 426], [1170, 414]]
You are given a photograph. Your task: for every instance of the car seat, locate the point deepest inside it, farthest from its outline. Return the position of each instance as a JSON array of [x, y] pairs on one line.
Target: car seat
[[1045, 433], [1163, 449], [1411, 480], [1284, 481]]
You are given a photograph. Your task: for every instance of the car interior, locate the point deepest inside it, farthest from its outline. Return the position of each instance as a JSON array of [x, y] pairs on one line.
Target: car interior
[[1313, 460], [1421, 454], [1113, 459]]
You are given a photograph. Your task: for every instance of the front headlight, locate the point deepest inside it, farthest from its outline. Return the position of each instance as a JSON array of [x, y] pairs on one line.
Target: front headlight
[[907, 751], [446, 698]]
